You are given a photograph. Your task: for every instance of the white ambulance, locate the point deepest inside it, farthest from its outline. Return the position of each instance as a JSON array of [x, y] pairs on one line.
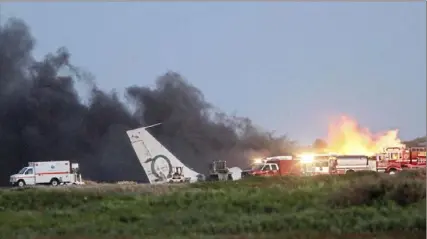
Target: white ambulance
[[49, 172]]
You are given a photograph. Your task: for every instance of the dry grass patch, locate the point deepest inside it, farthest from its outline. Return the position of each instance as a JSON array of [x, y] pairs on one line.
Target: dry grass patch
[[110, 188], [405, 188]]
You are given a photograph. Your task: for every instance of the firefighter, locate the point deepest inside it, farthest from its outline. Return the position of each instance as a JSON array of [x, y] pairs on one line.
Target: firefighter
[[333, 165]]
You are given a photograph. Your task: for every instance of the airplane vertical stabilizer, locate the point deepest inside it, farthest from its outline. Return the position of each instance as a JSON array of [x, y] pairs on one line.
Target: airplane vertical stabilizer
[[157, 161]]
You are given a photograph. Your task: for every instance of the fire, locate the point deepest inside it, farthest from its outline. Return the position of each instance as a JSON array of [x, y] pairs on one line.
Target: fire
[[347, 137]]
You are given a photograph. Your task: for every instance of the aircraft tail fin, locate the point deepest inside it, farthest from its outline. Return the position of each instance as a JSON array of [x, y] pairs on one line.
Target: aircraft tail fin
[[158, 162]]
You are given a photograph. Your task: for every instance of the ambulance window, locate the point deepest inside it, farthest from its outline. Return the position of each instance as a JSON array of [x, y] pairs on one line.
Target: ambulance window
[[266, 168], [274, 167], [22, 170], [29, 171]]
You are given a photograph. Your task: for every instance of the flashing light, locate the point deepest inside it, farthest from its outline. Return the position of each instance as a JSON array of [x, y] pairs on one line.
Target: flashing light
[[307, 158], [257, 161]]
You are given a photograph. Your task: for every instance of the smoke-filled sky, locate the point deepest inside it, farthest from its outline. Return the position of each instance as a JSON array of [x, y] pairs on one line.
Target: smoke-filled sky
[[287, 66]]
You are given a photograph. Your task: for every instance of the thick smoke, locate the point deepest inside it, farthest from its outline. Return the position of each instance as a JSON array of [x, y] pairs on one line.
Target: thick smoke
[[43, 118]]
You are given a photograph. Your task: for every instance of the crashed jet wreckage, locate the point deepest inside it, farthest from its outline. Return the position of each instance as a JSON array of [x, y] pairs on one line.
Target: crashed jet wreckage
[[161, 166]]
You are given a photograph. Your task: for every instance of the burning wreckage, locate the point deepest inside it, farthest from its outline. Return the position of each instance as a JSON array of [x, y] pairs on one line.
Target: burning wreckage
[[349, 149]]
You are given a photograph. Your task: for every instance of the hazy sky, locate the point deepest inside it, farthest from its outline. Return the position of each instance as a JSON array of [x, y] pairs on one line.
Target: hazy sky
[[288, 66]]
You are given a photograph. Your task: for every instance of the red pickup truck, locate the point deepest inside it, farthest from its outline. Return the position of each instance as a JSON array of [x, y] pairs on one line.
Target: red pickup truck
[[275, 166]]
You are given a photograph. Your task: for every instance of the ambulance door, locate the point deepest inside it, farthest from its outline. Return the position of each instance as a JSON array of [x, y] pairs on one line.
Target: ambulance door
[[30, 178]]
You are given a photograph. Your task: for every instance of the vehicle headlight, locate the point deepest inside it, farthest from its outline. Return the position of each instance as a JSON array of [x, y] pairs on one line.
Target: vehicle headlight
[[307, 158]]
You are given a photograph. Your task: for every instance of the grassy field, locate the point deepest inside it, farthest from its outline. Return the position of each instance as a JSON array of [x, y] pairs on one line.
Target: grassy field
[[361, 205]]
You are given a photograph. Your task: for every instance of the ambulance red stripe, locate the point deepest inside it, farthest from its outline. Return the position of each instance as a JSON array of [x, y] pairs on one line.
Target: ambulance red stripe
[[47, 173]]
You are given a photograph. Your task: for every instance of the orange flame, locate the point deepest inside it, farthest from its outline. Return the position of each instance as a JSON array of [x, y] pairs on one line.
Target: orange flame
[[347, 137]]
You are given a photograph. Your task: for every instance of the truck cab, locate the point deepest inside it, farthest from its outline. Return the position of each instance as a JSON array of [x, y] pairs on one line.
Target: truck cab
[[23, 177], [265, 169], [274, 166], [400, 158]]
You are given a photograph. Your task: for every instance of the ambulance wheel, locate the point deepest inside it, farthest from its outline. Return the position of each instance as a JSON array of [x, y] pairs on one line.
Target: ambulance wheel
[[20, 183], [54, 182], [229, 177]]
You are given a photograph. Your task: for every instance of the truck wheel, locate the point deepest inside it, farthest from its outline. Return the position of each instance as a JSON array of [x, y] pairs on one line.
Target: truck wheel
[[229, 177], [392, 171], [54, 182], [20, 183]]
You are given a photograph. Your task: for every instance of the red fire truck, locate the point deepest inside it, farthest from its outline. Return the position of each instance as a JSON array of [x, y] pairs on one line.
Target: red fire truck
[[274, 166], [310, 164], [395, 159], [339, 164], [417, 155], [391, 161]]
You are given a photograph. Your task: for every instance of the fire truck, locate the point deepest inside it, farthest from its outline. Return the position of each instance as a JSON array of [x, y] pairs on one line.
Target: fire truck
[[311, 164], [315, 164], [391, 161], [395, 159], [274, 166], [337, 164]]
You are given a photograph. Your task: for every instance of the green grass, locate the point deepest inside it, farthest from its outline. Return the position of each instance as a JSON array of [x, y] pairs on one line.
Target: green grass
[[352, 206]]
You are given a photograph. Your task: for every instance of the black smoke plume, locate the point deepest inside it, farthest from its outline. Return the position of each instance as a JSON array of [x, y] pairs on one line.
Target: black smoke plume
[[43, 118]]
